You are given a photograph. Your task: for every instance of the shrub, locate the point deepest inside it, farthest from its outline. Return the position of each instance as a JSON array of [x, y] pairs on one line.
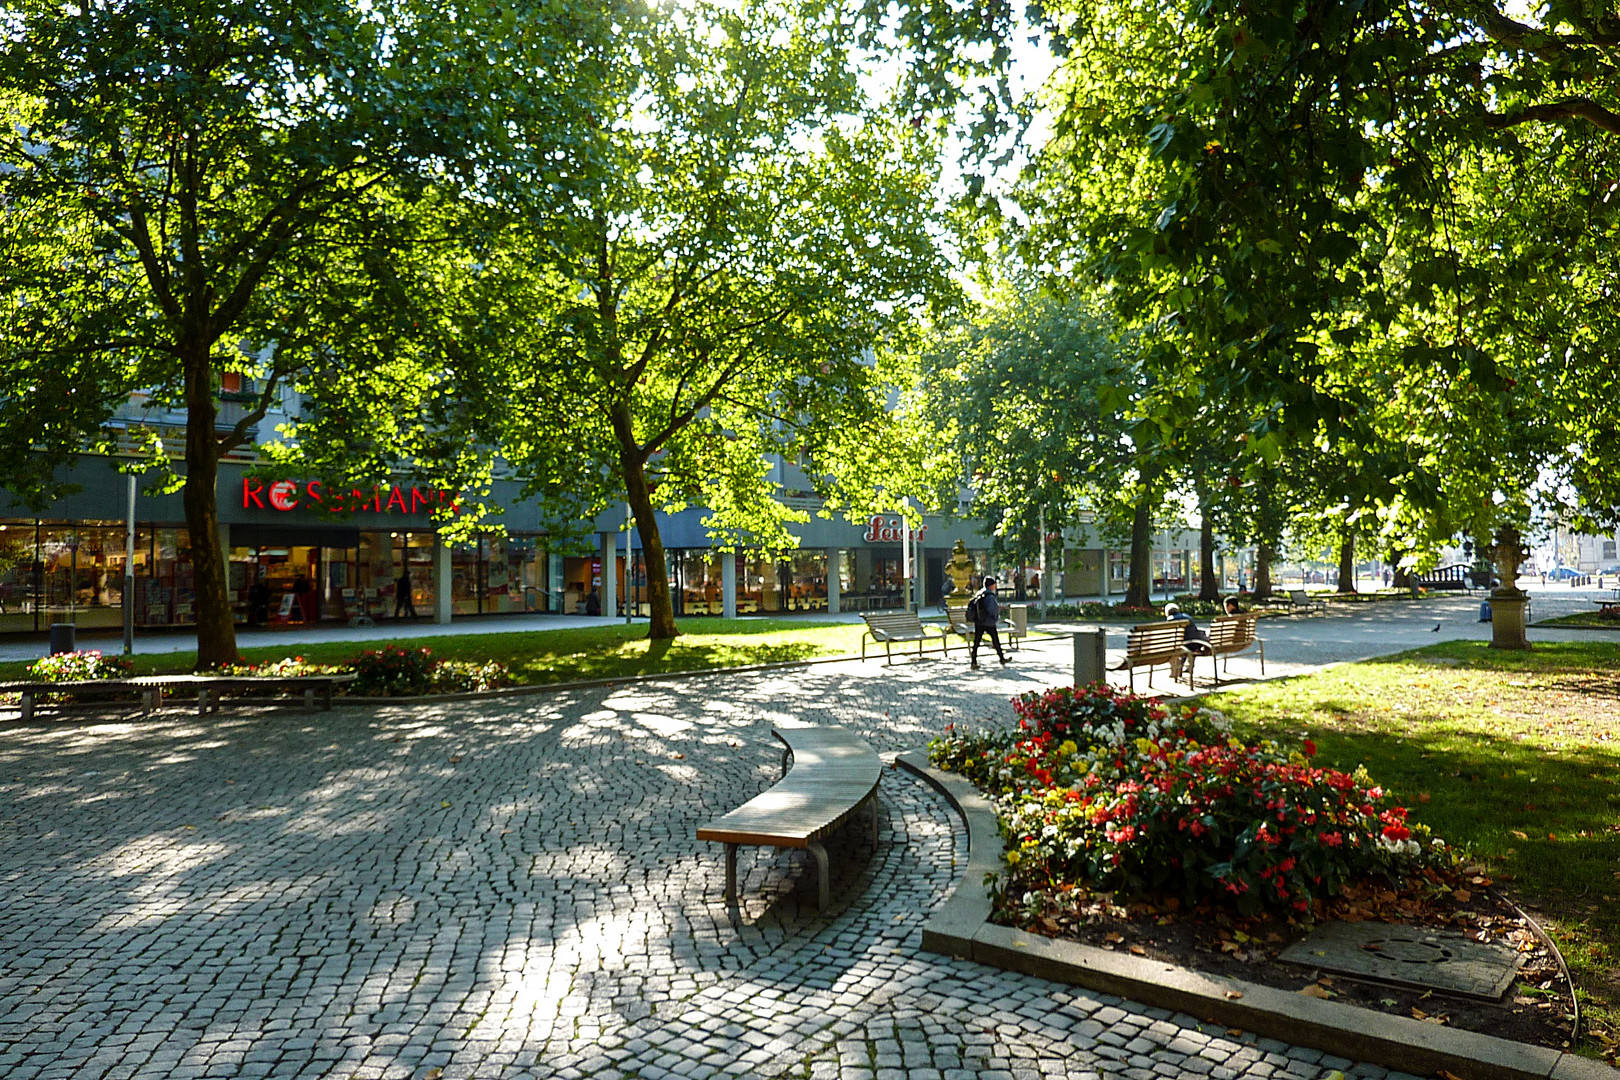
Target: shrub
[[393, 670], [397, 671], [1114, 792], [461, 676], [66, 667], [288, 667]]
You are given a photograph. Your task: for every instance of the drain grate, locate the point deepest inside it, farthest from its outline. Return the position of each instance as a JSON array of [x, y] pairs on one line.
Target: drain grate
[[1408, 956]]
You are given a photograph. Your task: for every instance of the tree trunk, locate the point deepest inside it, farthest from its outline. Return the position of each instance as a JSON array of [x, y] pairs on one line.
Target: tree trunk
[[1209, 588], [1263, 555], [1400, 576], [660, 606], [216, 629], [1139, 589], [1347, 564]]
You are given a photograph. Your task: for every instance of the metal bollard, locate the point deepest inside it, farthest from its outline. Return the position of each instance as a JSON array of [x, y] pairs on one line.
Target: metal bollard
[[1090, 657], [63, 637]]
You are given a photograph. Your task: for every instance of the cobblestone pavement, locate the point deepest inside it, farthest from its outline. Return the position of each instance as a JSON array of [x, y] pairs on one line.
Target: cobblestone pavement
[[513, 889]]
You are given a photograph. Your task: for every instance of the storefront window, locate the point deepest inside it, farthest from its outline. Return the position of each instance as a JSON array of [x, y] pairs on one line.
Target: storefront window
[[805, 581]]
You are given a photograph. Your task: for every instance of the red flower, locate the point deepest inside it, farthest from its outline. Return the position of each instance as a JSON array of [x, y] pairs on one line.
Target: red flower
[[1310, 748]]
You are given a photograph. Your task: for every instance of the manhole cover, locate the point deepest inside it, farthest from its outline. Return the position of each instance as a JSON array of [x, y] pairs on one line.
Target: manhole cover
[[1410, 956]]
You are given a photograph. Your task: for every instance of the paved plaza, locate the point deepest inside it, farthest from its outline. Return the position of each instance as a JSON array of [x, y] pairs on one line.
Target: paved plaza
[[512, 888]]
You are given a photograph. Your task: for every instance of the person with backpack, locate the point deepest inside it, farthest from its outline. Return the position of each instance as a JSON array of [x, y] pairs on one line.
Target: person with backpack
[[984, 612]]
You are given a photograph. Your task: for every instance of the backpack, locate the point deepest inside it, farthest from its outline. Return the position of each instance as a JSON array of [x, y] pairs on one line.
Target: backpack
[[975, 609]]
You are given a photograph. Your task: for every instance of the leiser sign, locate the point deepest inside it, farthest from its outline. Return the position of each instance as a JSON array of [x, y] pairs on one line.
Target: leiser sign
[[890, 530], [289, 495]]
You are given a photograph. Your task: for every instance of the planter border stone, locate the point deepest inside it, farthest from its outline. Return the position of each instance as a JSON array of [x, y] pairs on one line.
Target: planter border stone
[[961, 927]]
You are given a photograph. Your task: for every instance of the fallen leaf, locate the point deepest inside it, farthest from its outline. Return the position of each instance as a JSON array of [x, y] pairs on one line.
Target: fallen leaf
[[1424, 796], [1114, 937], [1233, 995], [433, 1073], [444, 802], [1521, 834], [1462, 896], [1138, 950], [1444, 1075], [193, 828], [679, 757], [455, 759], [1316, 991], [1419, 1014]]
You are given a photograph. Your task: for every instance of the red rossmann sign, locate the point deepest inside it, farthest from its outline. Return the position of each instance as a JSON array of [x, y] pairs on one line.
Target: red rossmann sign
[[291, 494]]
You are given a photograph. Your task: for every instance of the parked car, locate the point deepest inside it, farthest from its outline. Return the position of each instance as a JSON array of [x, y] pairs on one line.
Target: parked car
[[1563, 573]]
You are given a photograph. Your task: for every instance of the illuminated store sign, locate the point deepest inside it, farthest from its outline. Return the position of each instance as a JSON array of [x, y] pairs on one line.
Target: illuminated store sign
[[291, 494], [882, 530]]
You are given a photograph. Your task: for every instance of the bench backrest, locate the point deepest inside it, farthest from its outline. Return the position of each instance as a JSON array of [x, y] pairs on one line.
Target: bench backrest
[[1232, 631], [894, 622], [956, 614], [1299, 596], [1156, 640]]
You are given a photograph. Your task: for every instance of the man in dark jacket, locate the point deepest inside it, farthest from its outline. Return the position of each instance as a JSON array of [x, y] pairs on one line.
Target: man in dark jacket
[[985, 611]]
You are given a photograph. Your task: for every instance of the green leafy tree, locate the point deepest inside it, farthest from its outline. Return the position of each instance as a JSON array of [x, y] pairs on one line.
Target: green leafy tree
[[750, 228], [203, 187]]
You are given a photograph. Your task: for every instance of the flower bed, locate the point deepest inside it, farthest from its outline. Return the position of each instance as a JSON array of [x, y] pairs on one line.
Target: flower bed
[[88, 664], [1116, 792]]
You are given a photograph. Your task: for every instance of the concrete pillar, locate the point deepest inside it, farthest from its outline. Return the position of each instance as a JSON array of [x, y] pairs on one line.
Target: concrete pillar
[[728, 585], [441, 582], [610, 576], [1107, 568], [835, 585]]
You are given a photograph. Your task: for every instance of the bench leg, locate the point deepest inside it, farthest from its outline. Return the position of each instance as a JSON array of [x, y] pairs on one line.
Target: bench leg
[[786, 754], [309, 698], [823, 886], [202, 700], [731, 873], [326, 698], [27, 705]]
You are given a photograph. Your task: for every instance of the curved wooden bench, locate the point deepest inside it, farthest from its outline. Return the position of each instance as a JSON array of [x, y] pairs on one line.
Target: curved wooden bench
[[834, 772]]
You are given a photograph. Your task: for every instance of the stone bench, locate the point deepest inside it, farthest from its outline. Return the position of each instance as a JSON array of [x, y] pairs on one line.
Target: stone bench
[[834, 773]]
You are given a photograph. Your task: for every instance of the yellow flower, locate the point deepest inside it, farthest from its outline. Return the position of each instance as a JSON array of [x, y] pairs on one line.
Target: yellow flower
[[1144, 746], [1012, 858], [1067, 748]]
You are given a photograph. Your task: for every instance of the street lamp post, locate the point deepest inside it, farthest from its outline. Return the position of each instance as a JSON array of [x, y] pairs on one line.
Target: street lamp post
[[129, 572]]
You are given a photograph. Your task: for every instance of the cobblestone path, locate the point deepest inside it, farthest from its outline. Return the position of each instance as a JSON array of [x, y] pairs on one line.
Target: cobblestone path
[[513, 889]]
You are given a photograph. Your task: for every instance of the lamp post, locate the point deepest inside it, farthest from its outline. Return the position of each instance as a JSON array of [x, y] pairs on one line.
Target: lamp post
[[129, 572]]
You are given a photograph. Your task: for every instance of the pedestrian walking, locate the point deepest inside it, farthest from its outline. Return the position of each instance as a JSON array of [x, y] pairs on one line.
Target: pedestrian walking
[[984, 611], [403, 602]]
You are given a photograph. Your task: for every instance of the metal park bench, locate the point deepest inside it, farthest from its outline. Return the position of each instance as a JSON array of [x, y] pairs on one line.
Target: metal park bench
[[1153, 644], [890, 627], [1296, 601], [834, 773], [151, 688], [957, 623]]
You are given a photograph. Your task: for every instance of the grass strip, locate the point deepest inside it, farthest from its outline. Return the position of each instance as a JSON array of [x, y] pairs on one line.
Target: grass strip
[[541, 657]]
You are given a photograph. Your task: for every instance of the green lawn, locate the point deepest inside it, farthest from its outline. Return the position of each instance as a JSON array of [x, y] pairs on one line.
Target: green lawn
[[1592, 619], [550, 656], [1514, 755]]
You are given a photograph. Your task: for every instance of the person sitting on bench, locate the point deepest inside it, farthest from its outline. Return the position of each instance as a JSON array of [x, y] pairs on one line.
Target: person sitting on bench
[[1195, 639]]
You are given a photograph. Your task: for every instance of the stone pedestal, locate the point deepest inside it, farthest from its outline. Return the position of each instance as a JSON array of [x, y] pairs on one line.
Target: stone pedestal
[[1507, 619]]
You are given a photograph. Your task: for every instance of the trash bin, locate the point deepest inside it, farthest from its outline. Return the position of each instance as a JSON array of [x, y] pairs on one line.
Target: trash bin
[[63, 637], [1090, 657], [1485, 611]]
